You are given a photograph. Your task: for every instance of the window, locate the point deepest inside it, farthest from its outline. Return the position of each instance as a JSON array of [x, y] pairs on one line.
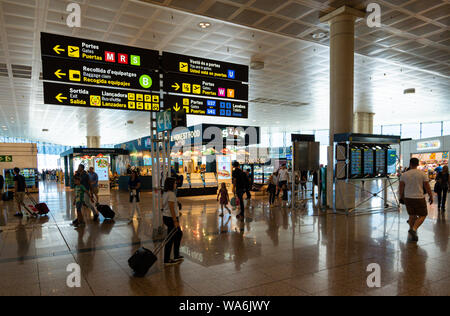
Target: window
[[431, 130], [391, 130], [323, 137], [411, 131], [446, 128], [377, 130]]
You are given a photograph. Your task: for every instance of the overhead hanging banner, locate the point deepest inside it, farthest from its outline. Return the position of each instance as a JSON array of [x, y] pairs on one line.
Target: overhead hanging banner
[[100, 52], [93, 97], [208, 107], [204, 67], [198, 86], [90, 73]]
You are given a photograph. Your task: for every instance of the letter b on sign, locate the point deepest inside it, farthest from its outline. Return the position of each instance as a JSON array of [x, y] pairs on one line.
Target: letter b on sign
[[74, 278]]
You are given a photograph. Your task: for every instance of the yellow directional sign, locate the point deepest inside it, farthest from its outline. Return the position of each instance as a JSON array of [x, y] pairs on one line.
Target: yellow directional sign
[[59, 74], [60, 98], [176, 107], [58, 50], [176, 86], [186, 109]]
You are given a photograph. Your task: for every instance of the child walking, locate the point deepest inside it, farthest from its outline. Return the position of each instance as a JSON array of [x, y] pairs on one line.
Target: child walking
[[223, 198]]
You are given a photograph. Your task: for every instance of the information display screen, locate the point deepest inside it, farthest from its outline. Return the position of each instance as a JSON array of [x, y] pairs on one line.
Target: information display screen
[[380, 162], [368, 162], [392, 161], [29, 174], [355, 162]]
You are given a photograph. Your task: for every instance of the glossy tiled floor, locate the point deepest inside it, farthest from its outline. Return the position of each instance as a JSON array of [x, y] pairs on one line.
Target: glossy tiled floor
[[274, 252]]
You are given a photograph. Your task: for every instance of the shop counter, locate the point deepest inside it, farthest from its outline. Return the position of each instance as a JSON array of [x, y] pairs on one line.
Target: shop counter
[[146, 183]]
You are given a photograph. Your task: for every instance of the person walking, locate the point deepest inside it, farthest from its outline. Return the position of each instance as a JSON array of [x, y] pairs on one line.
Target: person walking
[[413, 183], [441, 188], [239, 187], [134, 187], [283, 175], [85, 181], [93, 179], [79, 199], [249, 184], [272, 188], [223, 198], [20, 187], [170, 219]]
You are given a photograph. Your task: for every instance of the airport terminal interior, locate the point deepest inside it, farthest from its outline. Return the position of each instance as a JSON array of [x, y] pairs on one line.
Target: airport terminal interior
[[282, 135]]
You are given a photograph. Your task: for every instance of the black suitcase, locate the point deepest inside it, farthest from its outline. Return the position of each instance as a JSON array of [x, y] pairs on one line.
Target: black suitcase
[[143, 259], [106, 211], [8, 196]]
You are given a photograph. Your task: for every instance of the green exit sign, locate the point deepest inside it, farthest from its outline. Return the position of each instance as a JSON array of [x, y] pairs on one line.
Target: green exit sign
[[6, 159]]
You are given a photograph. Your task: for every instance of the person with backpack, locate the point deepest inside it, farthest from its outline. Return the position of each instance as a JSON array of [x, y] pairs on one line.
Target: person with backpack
[[170, 219], [240, 184], [441, 188]]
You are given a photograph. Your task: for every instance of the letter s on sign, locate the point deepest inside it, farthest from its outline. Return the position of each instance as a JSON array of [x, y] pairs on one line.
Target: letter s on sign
[[74, 18]]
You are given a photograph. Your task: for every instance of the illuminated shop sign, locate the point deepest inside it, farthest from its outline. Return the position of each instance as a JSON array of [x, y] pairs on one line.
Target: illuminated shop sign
[[429, 145]]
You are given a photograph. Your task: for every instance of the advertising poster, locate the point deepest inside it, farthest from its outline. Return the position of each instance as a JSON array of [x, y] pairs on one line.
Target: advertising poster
[[101, 166], [224, 167]]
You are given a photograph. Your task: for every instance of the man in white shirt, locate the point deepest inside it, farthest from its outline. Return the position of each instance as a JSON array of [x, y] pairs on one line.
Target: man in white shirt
[[283, 177], [412, 186]]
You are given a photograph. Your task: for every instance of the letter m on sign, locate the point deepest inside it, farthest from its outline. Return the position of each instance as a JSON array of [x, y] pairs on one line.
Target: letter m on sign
[[110, 57]]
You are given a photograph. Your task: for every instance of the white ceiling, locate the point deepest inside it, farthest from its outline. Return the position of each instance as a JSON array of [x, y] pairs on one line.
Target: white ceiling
[[296, 70]]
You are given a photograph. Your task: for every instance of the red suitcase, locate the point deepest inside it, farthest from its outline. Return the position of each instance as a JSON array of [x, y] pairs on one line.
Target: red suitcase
[[38, 208]]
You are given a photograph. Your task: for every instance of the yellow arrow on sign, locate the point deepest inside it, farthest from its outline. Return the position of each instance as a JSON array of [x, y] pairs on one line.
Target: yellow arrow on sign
[[60, 97], [176, 86], [58, 50], [59, 74], [176, 107]]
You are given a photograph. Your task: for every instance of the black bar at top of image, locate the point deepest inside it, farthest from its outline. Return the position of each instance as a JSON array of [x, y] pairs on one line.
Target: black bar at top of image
[[101, 52], [209, 68]]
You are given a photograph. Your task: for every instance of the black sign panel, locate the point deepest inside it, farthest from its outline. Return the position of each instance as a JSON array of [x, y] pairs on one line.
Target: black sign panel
[[198, 86], [95, 74], [179, 118], [107, 53], [101, 98], [208, 107], [204, 67]]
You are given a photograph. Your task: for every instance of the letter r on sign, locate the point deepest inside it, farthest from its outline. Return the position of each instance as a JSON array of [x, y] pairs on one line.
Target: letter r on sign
[[123, 58]]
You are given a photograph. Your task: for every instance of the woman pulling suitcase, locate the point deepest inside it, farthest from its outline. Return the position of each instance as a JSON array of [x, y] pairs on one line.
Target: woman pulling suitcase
[[170, 219]]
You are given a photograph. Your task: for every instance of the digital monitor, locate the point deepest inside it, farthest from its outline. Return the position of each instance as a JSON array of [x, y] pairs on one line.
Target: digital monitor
[[380, 162], [392, 161], [368, 162], [356, 163]]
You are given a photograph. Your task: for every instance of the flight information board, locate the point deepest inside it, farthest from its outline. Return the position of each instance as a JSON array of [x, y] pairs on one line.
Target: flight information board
[[380, 162], [392, 161], [95, 51], [209, 107], [204, 67], [355, 162], [91, 73], [368, 162], [93, 97]]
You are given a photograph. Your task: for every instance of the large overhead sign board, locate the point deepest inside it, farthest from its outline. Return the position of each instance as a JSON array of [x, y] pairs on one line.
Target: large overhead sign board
[[204, 67], [208, 107], [101, 52], [198, 86], [90, 73], [104, 98]]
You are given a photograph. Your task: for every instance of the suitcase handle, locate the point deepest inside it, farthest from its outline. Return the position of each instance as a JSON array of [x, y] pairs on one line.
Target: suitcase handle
[[165, 241], [31, 198]]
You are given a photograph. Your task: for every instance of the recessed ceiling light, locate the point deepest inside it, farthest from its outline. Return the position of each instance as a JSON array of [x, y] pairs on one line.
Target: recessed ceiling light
[[45, 130], [319, 35], [409, 91], [204, 25]]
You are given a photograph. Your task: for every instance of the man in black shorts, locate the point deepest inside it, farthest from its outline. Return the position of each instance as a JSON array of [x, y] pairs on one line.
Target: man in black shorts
[[239, 186], [413, 183]]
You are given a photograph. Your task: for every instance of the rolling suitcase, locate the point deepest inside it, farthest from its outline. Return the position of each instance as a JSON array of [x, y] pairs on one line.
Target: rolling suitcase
[[106, 211], [143, 259], [38, 208]]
